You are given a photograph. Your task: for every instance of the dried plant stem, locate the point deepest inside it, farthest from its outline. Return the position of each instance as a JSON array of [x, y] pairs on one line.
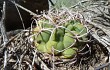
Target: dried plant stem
[[31, 13], [3, 30]]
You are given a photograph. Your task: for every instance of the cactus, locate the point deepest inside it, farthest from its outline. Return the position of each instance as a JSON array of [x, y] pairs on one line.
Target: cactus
[[61, 39], [68, 40], [42, 47], [69, 53], [44, 36], [49, 46]]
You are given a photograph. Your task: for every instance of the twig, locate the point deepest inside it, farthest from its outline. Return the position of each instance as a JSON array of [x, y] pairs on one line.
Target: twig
[[103, 28], [21, 59], [20, 16], [102, 42], [40, 60], [5, 59], [3, 30], [30, 66], [34, 58], [102, 66], [45, 66], [25, 9]]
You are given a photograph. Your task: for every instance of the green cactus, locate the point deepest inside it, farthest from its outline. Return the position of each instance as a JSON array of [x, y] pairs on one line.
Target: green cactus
[[44, 36], [60, 34], [79, 28], [68, 40], [49, 46], [59, 47], [42, 47], [69, 53], [60, 38]]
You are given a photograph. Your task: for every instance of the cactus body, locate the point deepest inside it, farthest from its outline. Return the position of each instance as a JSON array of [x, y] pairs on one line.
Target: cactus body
[[59, 38]]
